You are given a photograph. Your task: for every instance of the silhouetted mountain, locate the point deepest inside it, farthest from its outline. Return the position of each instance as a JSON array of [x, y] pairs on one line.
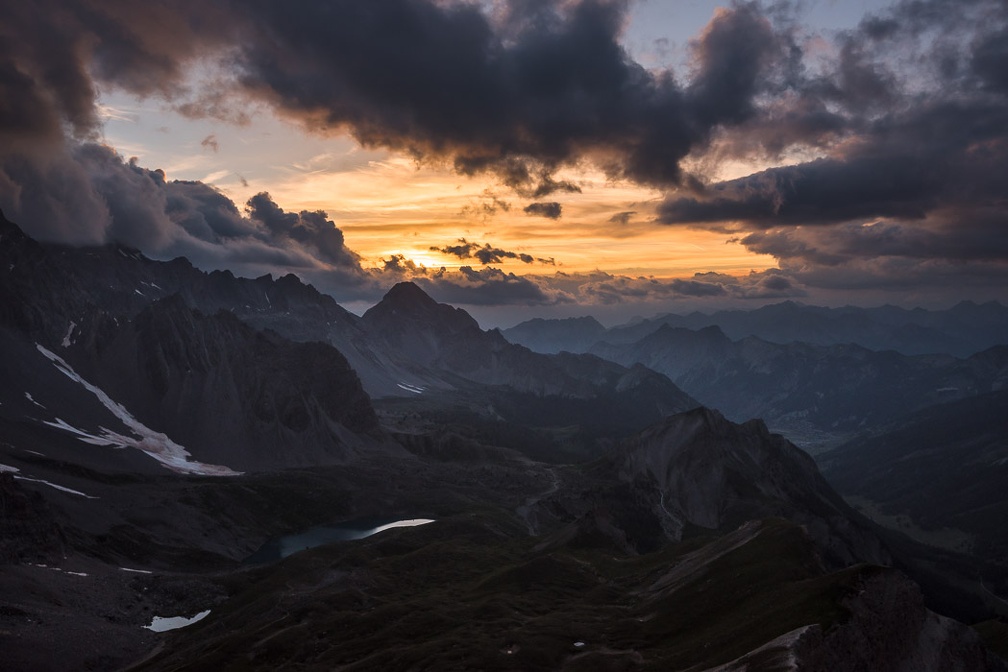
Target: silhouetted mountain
[[962, 330], [445, 347], [571, 334], [101, 355], [477, 382], [813, 394]]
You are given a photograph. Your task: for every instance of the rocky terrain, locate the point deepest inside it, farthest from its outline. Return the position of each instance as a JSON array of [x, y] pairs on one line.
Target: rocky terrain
[[159, 425]]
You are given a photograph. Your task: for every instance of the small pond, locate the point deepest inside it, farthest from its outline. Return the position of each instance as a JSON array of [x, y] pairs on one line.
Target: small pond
[[281, 547]]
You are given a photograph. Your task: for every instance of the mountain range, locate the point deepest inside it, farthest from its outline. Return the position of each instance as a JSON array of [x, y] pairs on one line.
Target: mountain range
[[159, 424], [962, 330]]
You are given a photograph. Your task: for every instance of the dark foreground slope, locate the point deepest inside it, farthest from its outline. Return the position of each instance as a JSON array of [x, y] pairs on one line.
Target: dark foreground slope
[[753, 557], [626, 569], [939, 476], [473, 593]]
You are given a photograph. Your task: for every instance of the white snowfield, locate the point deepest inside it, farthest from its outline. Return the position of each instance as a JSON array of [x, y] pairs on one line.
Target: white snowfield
[[161, 624], [170, 454]]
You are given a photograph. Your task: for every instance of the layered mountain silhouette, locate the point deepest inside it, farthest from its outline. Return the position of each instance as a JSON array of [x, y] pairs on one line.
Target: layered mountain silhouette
[[158, 424], [270, 373], [813, 393], [961, 330]]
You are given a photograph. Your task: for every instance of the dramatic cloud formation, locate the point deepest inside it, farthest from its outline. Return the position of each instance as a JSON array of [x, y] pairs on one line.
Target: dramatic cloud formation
[[916, 159], [888, 142]]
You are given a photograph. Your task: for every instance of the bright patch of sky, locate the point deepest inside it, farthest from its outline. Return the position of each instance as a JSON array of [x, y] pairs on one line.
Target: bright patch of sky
[[386, 204]]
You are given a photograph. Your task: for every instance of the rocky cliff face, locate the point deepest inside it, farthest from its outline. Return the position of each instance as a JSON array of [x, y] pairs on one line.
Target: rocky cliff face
[[230, 394], [715, 474], [165, 341]]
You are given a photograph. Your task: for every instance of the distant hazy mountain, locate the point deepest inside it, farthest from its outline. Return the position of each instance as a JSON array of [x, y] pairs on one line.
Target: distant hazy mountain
[[939, 475], [962, 330], [571, 334], [812, 393]]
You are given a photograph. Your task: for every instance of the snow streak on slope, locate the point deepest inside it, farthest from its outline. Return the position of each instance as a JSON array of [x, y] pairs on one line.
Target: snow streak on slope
[[170, 454], [6, 468]]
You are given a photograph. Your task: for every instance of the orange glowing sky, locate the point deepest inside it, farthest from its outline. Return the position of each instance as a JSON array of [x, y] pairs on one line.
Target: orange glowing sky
[[386, 204]]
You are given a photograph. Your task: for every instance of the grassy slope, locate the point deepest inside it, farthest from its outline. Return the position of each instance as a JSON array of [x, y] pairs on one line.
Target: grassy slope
[[461, 593]]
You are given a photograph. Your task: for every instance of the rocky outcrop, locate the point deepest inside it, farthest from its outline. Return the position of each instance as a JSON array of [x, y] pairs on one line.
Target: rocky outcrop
[[715, 474], [232, 395]]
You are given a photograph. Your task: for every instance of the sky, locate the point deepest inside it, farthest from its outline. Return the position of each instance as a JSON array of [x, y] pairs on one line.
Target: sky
[[525, 157]]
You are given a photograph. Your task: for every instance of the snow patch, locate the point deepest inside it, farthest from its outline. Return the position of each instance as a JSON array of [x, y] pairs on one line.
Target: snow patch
[[170, 454], [412, 522], [66, 339], [411, 388], [53, 485], [160, 624], [77, 573], [140, 293], [135, 571], [28, 396], [7, 469]]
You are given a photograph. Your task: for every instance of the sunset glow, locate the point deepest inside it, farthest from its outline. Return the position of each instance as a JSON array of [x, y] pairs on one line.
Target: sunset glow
[[656, 156]]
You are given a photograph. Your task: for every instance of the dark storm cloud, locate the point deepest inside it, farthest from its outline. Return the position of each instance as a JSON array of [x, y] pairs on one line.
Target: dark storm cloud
[[916, 163], [486, 254], [54, 54], [550, 210], [907, 114], [516, 97], [307, 228]]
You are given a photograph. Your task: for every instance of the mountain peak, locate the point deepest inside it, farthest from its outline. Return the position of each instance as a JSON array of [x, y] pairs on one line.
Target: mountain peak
[[407, 294], [407, 303]]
